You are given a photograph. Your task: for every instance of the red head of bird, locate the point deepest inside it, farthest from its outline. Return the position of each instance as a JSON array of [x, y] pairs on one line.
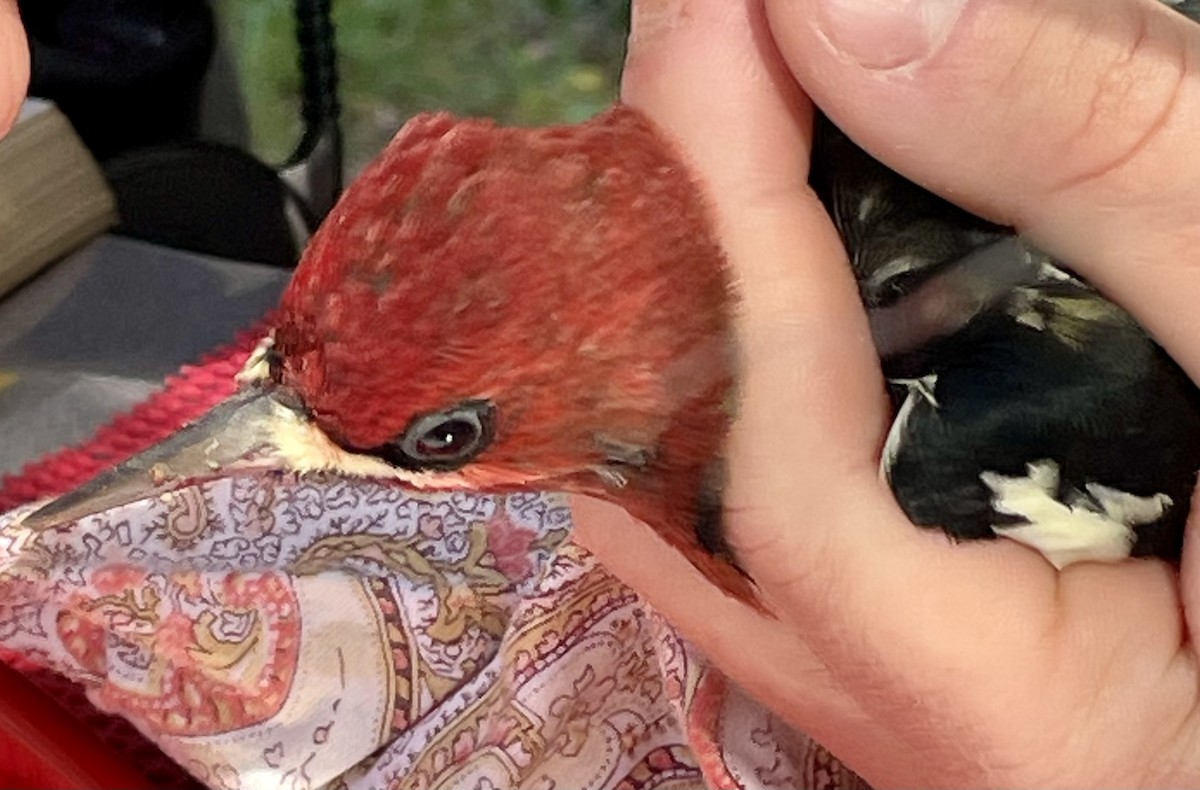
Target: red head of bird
[[499, 308]]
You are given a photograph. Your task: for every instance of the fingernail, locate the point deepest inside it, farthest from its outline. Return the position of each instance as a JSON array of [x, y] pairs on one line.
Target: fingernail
[[888, 34]]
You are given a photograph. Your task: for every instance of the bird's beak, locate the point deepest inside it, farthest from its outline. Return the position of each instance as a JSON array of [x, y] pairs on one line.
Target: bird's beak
[[239, 435]]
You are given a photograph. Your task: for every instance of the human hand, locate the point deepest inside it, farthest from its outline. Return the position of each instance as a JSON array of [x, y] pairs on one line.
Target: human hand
[[917, 662], [14, 64]]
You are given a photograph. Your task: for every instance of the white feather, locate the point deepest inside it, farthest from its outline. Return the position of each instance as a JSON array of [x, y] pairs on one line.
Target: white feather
[[1069, 533]]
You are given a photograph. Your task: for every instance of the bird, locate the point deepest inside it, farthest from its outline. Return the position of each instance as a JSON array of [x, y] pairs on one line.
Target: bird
[[507, 308], [496, 308]]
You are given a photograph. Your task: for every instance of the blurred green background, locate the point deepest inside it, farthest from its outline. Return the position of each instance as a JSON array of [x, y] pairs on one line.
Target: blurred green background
[[520, 61]]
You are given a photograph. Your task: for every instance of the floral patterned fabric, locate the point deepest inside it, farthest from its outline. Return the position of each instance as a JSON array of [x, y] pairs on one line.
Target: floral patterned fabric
[[300, 632]]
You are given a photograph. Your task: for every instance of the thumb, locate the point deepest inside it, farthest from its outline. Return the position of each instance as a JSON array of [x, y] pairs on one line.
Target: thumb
[[14, 64], [1070, 121]]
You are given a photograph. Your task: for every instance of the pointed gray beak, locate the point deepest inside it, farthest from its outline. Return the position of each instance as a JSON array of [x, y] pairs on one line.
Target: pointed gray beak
[[235, 437]]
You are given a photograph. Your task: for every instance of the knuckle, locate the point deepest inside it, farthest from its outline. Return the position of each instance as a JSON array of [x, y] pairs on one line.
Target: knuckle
[[1131, 83]]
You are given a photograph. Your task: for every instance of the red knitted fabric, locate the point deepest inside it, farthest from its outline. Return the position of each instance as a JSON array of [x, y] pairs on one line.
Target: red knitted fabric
[[185, 396]]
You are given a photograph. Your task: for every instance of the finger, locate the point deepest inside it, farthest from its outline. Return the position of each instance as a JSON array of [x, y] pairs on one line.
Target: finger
[[827, 541], [707, 73], [964, 96], [704, 71], [1189, 571], [919, 634], [1073, 124], [14, 64], [812, 412]]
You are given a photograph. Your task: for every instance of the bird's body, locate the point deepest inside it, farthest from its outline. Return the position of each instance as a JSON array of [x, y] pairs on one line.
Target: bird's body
[[1084, 396], [1027, 404]]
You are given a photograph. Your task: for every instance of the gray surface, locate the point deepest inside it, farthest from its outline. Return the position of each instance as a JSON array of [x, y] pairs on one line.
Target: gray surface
[[96, 333]]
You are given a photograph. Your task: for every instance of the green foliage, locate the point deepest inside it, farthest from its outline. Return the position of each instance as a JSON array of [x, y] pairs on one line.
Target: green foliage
[[520, 61]]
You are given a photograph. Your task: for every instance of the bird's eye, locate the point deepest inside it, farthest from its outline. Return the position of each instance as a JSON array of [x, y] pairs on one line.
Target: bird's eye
[[445, 439]]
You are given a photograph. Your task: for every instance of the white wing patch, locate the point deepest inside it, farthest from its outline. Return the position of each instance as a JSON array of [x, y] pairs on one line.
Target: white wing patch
[[1070, 532]]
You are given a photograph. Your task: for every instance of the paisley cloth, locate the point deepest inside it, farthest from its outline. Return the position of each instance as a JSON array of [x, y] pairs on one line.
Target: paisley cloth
[[293, 632]]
